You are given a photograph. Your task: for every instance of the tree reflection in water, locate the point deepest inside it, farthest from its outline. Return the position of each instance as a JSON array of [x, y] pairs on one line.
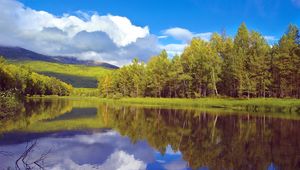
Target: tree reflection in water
[[212, 140], [203, 139]]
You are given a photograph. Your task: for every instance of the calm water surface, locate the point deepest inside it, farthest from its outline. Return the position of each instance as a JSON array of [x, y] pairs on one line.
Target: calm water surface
[[80, 134]]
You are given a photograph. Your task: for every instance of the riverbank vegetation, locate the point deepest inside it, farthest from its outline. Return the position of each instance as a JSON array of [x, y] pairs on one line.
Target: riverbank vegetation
[[17, 82], [85, 92], [258, 106], [245, 66], [24, 82], [267, 105], [9, 104], [211, 102]]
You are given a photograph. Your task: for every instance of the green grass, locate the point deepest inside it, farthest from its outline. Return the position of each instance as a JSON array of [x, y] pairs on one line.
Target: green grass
[[77, 75], [85, 92], [257, 105], [213, 102]]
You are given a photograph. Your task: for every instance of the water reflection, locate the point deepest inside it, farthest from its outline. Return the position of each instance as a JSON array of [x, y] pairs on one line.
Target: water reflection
[[84, 150], [214, 141], [105, 150], [34, 110], [93, 135]]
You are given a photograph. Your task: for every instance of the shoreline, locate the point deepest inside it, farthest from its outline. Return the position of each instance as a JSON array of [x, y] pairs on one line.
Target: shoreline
[[251, 105]]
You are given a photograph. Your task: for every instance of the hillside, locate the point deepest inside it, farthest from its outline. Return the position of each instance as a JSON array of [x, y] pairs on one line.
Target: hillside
[[76, 75], [22, 81], [21, 54]]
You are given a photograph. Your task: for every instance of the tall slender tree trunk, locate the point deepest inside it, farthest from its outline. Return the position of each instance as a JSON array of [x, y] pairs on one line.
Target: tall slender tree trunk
[[199, 89], [214, 83], [159, 92], [264, 90]]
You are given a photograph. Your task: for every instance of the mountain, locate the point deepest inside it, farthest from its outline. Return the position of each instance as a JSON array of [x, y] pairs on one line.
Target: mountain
[[21, 54]]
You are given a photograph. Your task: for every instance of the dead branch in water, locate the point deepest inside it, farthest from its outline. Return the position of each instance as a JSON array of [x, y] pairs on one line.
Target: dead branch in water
[[25, 157]]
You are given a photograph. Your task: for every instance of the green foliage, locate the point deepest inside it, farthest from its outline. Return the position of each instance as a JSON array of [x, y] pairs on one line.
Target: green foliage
[[85, 92], [25, 82], [9, 104], [286, 63], [245, 66], [79, 76], [157, 70], [258, 105], [202, 63]]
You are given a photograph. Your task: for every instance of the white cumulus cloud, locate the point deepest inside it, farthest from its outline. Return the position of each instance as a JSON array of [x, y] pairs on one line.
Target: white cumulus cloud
[[179, 33], [105, 37], [185, 35], [86, 35]]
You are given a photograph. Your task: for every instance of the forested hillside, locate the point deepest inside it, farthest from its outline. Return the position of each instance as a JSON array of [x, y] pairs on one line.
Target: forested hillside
[[243, 66], [21, 54], [24, 82], [77, 75]]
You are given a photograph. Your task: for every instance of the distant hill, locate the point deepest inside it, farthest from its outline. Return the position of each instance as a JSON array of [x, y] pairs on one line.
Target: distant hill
[[21, 54], [80, 76]]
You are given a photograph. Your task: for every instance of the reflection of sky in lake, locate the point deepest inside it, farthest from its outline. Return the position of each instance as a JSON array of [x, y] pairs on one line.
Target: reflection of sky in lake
[[92, 150]]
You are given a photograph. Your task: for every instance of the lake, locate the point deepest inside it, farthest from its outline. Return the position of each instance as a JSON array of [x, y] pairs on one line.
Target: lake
[[88, 134]]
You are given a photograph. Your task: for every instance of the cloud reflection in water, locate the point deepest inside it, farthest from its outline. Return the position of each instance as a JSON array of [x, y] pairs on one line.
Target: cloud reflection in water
[[94, 150]]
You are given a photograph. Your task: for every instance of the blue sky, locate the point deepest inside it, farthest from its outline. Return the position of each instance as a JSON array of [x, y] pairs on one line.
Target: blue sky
[[270, 17], [158, 24]]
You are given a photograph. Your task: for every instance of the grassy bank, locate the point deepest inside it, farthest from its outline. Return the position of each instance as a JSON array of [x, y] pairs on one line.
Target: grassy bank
[[253, 105], [257, 104]]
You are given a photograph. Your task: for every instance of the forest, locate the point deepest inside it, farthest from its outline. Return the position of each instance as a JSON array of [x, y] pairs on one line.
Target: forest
[[23, 82], [245, 66]]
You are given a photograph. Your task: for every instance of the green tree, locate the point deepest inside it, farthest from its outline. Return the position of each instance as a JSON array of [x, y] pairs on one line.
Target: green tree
[[203, 64], [137, 72], [241, 49], [286, 64], [105, 85], [157, 69], [258, 65], [224, 47], [177, 78]]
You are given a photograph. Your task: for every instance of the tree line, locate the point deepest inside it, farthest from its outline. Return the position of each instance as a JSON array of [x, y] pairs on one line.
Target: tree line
[[243, 66], [235, 142], [22, 81]]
